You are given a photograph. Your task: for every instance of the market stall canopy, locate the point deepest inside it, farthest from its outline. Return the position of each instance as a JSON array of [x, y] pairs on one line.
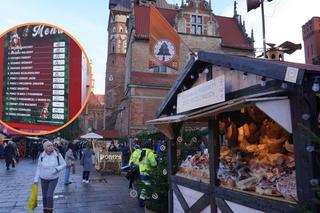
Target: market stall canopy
[[33, 138], [91, 135], [164, 124], [277, 70], [278, 108]]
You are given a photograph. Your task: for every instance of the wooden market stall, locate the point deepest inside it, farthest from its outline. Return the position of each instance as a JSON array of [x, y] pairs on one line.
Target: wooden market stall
[[261, 117], [105, 161]]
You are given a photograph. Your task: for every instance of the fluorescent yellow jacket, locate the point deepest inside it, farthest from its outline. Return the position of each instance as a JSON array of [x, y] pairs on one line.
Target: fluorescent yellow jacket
[[147, 162], [134, 158]]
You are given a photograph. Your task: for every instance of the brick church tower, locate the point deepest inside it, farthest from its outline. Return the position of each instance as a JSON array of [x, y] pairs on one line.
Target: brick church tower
[[117, 46], [311, 38]]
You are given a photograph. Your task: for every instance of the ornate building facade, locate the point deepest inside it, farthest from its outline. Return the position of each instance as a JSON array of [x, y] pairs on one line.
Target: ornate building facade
[[141, 89]]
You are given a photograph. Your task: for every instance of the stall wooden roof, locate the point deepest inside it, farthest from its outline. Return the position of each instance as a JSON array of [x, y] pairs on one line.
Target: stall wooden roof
[[272, 69]]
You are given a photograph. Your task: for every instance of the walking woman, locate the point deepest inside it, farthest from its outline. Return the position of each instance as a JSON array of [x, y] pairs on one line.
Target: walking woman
[[70, 161], [86, 162], [50, 164]]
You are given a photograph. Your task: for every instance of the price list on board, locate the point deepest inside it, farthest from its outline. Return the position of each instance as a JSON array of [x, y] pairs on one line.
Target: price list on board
[[36, 76]]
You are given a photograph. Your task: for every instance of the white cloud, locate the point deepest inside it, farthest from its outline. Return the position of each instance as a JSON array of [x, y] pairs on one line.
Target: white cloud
[[284, 20]]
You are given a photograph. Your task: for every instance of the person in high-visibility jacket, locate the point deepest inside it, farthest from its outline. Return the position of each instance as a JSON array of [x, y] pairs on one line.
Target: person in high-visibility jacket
[[147, 160], [133, 175], [134, 157]]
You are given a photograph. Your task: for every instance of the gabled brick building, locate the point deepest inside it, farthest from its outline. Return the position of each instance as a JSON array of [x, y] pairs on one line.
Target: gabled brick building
[[140, 90], [92, 115]]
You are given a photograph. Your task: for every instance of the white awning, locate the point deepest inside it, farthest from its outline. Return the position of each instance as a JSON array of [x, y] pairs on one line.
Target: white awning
[[91, 135], [277, 108], [167, 119]]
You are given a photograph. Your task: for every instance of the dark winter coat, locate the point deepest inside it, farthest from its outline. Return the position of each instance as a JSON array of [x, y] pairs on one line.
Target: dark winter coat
[[9, 153], [86, 160]]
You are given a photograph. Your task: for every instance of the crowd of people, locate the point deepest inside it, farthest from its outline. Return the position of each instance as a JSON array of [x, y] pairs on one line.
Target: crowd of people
[[54, 157]]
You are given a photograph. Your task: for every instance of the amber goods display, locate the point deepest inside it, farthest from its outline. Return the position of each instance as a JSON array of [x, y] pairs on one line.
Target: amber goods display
[[196, 167], [256, 155]]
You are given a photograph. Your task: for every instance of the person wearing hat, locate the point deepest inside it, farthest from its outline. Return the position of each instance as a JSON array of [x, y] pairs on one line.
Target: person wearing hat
[[50, 164]]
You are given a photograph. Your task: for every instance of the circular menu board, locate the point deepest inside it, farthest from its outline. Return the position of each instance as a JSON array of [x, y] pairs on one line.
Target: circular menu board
[[45, 78]]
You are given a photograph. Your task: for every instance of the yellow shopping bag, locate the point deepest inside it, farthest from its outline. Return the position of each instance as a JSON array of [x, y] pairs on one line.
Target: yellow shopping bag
[[33, 199]]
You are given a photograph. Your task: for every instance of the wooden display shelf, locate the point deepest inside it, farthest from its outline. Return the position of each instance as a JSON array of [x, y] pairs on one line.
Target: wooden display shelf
[[280, 199]]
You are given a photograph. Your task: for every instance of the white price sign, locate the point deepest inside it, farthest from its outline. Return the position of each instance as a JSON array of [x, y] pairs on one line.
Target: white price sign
[[58, 86], [58, 104], [57, 110], [58, 98], [58, 80], [58, 56], [58, 74], [58, 68], [59, 50], [58, 62], [58, 116], [58, 92], [59, 44]]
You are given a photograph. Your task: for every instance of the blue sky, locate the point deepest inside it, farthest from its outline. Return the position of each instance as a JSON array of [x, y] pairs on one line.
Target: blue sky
[[87, 21]]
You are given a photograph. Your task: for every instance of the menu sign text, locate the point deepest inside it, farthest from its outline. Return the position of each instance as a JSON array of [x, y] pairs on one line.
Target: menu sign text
[[36, 76]]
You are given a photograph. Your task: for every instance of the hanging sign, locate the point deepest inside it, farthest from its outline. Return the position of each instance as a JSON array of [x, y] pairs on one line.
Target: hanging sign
[[205, 94]]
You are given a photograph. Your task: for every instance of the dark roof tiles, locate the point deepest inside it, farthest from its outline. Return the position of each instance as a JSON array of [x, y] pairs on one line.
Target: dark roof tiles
[[229, 29], [231, 33]]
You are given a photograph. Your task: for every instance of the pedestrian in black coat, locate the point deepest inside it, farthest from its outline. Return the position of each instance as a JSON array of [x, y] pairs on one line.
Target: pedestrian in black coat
[[9, 154]]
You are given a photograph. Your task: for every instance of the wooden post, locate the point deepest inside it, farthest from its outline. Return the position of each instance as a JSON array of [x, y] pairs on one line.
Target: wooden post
[[172, 161], [303, 159], [214, 152]]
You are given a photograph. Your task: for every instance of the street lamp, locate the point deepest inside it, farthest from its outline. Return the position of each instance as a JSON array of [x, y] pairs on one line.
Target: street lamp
[[253, 4]]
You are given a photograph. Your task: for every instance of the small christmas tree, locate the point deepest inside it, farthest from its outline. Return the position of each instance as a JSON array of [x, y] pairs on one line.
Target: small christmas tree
[[157, 190], [164, 50]]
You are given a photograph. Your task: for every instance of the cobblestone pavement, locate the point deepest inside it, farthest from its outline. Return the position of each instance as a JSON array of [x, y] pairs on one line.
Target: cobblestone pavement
[[102, 194]]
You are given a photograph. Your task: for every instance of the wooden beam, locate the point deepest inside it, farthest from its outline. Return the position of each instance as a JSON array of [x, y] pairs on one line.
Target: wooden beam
[[214, 153], [223, 206], [303, 159], [254, 201], [192, 184], [172, 160], [180, 197], [265, 68], [201, 204]]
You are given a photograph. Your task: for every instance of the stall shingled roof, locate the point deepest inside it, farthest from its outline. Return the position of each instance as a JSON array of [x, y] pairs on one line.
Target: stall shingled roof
[[262, 67]]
